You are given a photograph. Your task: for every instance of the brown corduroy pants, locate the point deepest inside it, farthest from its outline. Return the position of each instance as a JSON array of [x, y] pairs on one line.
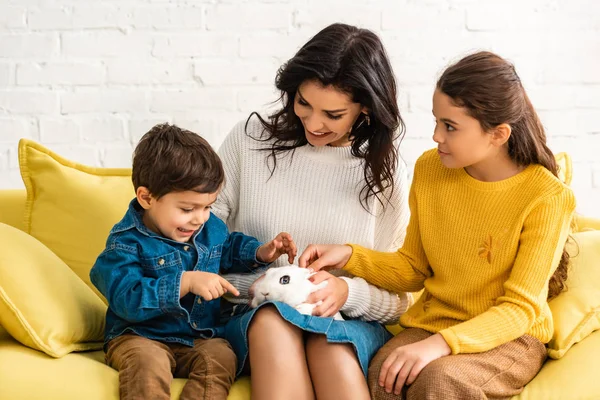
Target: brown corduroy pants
[[495, 374], [147, 367]]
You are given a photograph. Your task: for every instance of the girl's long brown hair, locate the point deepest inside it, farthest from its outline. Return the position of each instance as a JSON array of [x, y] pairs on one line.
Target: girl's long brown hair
[[489, 88]]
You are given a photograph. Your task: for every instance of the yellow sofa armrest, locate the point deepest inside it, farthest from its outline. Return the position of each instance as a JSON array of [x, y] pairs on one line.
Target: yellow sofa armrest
[[587, 223], [12, 207]]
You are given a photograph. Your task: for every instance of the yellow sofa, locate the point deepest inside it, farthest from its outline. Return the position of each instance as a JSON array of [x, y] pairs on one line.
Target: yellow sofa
[[27, 374]]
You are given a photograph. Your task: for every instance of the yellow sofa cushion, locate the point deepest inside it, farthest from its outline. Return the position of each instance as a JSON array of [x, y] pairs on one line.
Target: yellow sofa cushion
[[71, 207], [576, 311], [43, 304], [31, 375]]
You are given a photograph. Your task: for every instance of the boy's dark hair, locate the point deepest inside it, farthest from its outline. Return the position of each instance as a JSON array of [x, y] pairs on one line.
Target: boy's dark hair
[[170, 159]]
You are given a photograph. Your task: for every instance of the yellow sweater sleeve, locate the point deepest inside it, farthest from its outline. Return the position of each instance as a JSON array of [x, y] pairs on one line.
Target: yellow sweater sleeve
[[541, 244], [404, 270]]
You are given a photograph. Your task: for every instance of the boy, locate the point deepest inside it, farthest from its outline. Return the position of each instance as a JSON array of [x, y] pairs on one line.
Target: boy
[[159, 272]]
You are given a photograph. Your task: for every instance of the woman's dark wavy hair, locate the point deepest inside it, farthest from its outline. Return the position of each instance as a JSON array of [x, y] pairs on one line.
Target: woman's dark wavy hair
[[354, 61], [488, 87]]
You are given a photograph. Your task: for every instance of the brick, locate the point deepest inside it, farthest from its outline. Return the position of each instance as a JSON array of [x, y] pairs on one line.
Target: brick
[[107, 101], [150, 72], [3, 160], [248, 16], [59, 130], [85, 154], [192, 100], [194, 45], [582, 176], [581, 148], [28, 102], [596, 178], [562, 123], [419, 125], [70, 73], [588, 122], [203, 127], [258, 99], [27, 45], [6, 74], [78, 17], [588, 96], [12, 129], [420, 99], [311, 21], [277, 45], [48, 18], [551, 97], [236, 73], [139, 126], [95, 130], [412, 148], [168, 17], [118, 156], [416, 17], [11, 180], [106, 44], [12, 17], [100, 17]]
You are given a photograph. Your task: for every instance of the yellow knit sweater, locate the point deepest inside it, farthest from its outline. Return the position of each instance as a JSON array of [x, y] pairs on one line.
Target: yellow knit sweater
[[483, 251]]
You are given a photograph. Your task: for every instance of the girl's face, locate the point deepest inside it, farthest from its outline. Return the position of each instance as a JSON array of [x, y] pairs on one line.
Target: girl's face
[[461, 140], [327, 113]]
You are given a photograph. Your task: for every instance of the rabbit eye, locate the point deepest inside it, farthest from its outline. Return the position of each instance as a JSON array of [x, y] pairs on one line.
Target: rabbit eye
[[284, 280]]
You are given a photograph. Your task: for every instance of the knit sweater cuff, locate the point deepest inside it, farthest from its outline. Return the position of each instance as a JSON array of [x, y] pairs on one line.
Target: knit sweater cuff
[[359, 297], [241, 282], [452, 340]]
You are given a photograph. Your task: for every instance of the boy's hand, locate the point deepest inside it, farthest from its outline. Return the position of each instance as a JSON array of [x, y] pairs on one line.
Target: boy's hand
[[282, 244], [207, 285]]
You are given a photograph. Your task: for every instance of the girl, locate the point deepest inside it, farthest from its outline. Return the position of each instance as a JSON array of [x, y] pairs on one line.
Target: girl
[[489, 221], [324, 166]]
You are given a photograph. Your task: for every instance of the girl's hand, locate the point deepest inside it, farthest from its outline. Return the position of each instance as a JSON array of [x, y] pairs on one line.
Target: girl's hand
[[328, 256], [333, 296], [405, 363], [282, 244]]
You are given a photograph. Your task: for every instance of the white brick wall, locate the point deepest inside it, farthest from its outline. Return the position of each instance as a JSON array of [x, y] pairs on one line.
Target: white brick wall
[[88, 78]]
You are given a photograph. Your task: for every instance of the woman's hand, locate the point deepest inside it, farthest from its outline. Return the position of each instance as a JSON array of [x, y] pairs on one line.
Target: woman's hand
[[325, 256], [405, 363], [282, 244], [333, 296]]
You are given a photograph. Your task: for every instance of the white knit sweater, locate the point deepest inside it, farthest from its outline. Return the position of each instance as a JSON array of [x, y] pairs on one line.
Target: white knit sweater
[[313, 195]]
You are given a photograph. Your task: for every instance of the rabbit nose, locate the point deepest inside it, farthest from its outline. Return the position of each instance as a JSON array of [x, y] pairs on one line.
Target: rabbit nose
[[264, 294]]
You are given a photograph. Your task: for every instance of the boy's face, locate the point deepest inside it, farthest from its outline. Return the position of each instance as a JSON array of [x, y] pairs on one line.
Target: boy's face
[[176, 215]]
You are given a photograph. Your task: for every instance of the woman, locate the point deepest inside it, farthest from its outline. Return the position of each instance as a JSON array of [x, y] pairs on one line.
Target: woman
[[326, 168]]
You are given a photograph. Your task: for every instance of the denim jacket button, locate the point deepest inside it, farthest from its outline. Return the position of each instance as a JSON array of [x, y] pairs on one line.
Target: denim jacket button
[[199, 301], [186, 248], [195, 325], [161, 261]]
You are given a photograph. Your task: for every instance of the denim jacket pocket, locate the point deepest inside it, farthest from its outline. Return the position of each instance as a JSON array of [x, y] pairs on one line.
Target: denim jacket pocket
[[216, 251], [161, 264]]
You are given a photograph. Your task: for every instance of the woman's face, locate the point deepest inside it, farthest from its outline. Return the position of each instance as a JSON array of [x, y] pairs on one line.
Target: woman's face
[[327, 113]]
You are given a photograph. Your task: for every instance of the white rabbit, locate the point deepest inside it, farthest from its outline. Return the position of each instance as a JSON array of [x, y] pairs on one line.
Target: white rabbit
[[290, 285]]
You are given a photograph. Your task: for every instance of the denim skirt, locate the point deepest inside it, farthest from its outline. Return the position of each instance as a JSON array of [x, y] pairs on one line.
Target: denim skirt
[[366, 337]]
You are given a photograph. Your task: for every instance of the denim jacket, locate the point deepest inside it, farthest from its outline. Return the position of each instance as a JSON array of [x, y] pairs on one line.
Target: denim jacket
[[139, 273]]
